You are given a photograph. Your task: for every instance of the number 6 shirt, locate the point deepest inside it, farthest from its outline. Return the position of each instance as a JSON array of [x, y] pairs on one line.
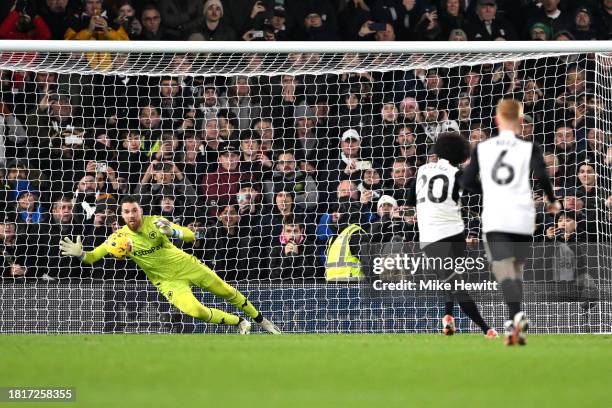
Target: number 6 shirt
[[505, 164]]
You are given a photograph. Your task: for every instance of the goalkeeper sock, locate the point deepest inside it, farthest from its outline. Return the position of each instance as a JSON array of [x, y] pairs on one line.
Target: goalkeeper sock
[[241, 302]]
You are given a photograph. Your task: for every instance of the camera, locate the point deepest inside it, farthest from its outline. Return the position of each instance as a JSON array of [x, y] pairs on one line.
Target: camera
[[258, 34], [24, 24], [101, 167]]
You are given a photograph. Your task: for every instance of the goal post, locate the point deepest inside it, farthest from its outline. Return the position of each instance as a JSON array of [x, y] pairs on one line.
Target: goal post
[[262, 145]]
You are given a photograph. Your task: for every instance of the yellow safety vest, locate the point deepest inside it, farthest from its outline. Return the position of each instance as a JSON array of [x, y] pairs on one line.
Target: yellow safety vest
[[340, 264]]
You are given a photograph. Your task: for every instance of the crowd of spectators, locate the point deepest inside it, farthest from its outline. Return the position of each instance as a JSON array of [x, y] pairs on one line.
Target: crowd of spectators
[[311, 20], [270, 167]]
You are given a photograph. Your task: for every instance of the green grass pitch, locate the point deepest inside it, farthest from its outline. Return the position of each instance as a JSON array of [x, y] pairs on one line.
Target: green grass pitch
[[312, 371]]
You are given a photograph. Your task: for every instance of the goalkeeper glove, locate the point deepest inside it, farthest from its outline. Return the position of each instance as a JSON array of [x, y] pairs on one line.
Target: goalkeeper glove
[[70, 248], [165, 227]]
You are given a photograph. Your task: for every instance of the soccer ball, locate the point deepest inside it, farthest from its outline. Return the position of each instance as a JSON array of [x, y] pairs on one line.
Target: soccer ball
[[119, 245]]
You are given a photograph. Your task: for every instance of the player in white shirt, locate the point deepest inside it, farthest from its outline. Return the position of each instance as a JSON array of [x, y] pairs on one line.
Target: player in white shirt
[[503, 166], [436, 195]]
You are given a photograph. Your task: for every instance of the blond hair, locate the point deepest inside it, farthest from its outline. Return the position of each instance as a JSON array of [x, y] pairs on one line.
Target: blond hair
[[510, 111]]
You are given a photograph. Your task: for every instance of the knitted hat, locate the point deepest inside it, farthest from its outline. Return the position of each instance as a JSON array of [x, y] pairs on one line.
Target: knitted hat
[[213, 3], [543, 27]]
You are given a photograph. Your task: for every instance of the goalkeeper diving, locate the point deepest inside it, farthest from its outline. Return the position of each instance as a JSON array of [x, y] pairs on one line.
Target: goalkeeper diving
[[171, 270]]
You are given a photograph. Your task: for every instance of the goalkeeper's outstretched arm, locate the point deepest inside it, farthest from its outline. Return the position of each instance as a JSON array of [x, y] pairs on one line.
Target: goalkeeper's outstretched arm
[[173, 230], [70, 248]]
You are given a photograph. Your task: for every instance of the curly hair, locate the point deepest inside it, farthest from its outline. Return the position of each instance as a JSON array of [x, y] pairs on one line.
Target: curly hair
[[452, 147]]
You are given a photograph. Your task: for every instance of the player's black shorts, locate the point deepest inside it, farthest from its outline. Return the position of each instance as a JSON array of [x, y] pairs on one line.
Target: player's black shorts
[[450, 247], [504, 245]]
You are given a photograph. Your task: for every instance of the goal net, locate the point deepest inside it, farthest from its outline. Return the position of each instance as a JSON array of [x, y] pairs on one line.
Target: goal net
[[268, 156]]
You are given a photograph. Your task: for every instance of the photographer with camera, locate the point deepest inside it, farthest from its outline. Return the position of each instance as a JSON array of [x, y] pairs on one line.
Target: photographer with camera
[[23, 23]]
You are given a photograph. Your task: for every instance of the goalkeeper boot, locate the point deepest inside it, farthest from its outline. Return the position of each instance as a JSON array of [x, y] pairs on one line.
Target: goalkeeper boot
[[270, 327], [448, 325], [491, 334], [244, 327], [509, 333], [521, 325]]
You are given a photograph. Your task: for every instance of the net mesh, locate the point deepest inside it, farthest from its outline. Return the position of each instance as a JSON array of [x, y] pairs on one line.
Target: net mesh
[[80, 130]]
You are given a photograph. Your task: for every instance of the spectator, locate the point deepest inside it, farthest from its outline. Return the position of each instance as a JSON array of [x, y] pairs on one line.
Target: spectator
[[28, 209], [315, 27], [167, 149], [409, 113], [584, 28], [215, 29], [393, 223], [292, 255], [150, 126], [407, 147], [478, 133], [211, 102], [565, 148], [127, 19], [553, 169], [551, 15], [398, 186], [52, 124], [271, 222], [253, 159], [487, 26], [279, 23], [191, 161], [287, 177], [85, 197], [13, 253], [345, 200], [164, 178], [180, 18], [383, 132], [452, 17], [225, 246], [348, 164], [175, 103], [131, 158], [152, 28], [539, 32], [95, 23], [428, 27], [266, 134], [107, 185], [527, 128], [57, 16], [12, 134], [245, 15], [242, 103], [221, 186], [23, 23]]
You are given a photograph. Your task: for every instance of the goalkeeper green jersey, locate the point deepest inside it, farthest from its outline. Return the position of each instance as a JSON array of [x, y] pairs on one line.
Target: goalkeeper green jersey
[[153, 251]]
